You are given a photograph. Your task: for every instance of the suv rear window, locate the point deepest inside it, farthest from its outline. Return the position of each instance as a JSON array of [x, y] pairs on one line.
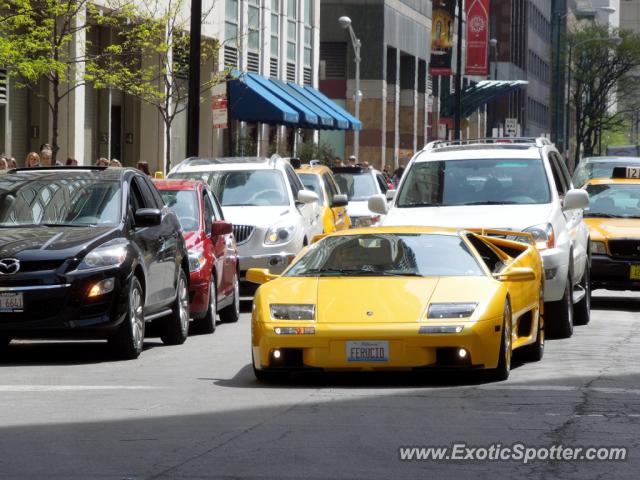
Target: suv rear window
[[514, 181]]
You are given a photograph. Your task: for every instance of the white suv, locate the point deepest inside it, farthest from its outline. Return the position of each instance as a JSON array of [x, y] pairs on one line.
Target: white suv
[[273, 215], [509, 184]]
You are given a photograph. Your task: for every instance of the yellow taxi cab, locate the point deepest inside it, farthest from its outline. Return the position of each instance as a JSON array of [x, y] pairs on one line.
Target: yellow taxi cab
[[613, 218], [319, 179], [399, 298]]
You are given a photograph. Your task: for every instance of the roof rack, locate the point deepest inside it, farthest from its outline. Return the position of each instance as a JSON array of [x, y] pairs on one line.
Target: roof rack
[[534, 141], [201, 161]]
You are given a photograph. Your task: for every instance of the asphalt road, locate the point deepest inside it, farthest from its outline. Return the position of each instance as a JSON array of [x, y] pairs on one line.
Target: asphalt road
[[196, 411]]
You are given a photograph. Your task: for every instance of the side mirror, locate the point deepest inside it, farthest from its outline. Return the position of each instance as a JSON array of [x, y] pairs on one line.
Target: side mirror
[[378, 203], [516, 274], [259, 275], [575, 199], [339, 201], [307, 196], [221, 228], [147, 217], [391, 194]]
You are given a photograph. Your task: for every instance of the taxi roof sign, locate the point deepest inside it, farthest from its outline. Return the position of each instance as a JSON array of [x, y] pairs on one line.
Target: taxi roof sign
[[626, 172]]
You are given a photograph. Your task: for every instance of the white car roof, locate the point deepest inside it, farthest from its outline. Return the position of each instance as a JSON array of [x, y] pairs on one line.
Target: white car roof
[[226, 166]]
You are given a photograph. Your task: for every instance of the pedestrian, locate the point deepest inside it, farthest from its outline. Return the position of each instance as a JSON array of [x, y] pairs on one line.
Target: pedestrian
[[365, 164], [12, 163], [72, 162], [45, 156], [32, 160], [353, 161], [397, 174], [3, 163], [143, 167], [337, 162], [102, 162], [115, 163]]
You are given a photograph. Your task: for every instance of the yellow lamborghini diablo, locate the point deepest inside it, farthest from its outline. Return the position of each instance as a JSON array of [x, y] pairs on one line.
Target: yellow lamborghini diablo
[[401, 298]]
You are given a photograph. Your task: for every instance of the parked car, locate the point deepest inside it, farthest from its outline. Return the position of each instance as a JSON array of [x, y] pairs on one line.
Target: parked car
[[213, 255], [600, 167], [521, 185], [273, 215], [457, 299], [360, 183], [90, 252], [332, 203]]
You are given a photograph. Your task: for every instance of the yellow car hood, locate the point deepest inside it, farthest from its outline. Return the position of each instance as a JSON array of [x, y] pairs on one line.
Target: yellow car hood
[[376, 299], [613, 227]]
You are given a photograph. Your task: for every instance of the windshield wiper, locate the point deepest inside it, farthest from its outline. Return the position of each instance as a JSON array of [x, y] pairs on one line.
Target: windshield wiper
[[68, 224], [488, 202], [360, 272], [604, 215], [420, 204]]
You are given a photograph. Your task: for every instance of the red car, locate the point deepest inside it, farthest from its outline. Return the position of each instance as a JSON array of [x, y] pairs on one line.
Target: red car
[[213, 256]]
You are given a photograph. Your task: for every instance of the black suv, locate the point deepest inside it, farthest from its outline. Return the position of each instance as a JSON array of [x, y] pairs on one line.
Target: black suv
[[90, 253]]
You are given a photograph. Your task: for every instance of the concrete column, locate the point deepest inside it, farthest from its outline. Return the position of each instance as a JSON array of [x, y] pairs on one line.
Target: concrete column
[[396, 114], [151, 133]]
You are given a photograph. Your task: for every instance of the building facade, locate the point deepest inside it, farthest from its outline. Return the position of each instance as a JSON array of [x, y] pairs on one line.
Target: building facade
[[396, 38], [275, 38]]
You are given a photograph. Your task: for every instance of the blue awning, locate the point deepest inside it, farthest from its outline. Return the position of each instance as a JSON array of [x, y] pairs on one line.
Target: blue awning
[[339, 122], [325, 120], [307, 118], [355, 123], [250, 102]]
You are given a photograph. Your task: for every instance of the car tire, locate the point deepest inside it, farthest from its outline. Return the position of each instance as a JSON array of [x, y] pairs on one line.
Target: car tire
[[231, 313], [175, 327], [535, 351], [128, 342], [501, 372], [560, 314], [582, 309], [207, 324], [4, 343]]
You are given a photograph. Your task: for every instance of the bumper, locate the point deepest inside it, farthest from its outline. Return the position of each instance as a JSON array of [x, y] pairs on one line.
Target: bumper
[[408, 349], [64, 310], [556, 269], [612, 274]]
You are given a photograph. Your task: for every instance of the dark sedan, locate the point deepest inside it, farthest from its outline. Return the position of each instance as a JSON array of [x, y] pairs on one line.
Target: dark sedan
[[90, 253]]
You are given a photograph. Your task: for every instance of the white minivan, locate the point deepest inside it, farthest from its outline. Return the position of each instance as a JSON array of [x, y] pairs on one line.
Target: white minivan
[[507, 184]]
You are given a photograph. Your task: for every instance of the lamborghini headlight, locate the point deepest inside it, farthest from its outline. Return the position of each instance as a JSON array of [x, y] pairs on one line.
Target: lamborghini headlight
[[293, 311], [599, 248], [451, 310]]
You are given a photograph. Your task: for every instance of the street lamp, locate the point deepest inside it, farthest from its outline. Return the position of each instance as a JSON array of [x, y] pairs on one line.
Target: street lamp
[[345, 22], [615, 41]]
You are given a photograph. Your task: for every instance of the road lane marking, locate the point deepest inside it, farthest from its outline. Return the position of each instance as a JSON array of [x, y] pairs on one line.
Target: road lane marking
[[71, 388]]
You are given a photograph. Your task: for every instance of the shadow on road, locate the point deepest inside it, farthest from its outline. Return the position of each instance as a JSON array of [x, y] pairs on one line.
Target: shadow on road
[[617, 303]]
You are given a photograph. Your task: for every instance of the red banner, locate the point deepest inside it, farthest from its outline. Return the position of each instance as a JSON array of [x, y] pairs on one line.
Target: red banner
[[477, 37]]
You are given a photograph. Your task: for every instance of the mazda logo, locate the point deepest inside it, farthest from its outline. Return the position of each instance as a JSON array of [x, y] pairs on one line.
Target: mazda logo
[[9, 266]]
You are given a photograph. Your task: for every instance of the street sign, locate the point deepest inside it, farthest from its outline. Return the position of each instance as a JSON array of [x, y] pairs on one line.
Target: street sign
[[510, 127], [219, 105]]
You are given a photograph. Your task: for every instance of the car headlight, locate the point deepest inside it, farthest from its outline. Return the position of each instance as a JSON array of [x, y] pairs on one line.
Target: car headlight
[[279, 234], [598, 247], [451, 310], [293, 311], [543, 235], [104, 257], [197, 260]]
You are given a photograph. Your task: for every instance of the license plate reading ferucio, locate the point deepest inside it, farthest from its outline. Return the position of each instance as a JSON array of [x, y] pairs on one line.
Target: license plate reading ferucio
[[371, 351]]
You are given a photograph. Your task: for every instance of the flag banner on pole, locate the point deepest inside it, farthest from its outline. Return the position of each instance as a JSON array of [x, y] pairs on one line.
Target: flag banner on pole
[[443, 16], [477, 37]]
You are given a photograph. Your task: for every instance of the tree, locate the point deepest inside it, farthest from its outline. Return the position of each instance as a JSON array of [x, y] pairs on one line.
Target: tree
[[149, 60], [603, 91], [38, 43]]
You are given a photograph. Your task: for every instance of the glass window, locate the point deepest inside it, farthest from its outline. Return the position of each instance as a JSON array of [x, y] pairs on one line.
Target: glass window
[[312, 182], [292, 8], [330, 186], [357, 186], [230, 31], [208, 214], [388, 254], [254, 28], [308, 12], [275, 6], [614, 200], [147, 196], [231, 10], [184, 203], [558, 179], [587, 170], [474, 182], [291, 51]]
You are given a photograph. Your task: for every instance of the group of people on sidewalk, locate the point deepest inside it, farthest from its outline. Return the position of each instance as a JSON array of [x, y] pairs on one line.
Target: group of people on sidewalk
[[44, 159]]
